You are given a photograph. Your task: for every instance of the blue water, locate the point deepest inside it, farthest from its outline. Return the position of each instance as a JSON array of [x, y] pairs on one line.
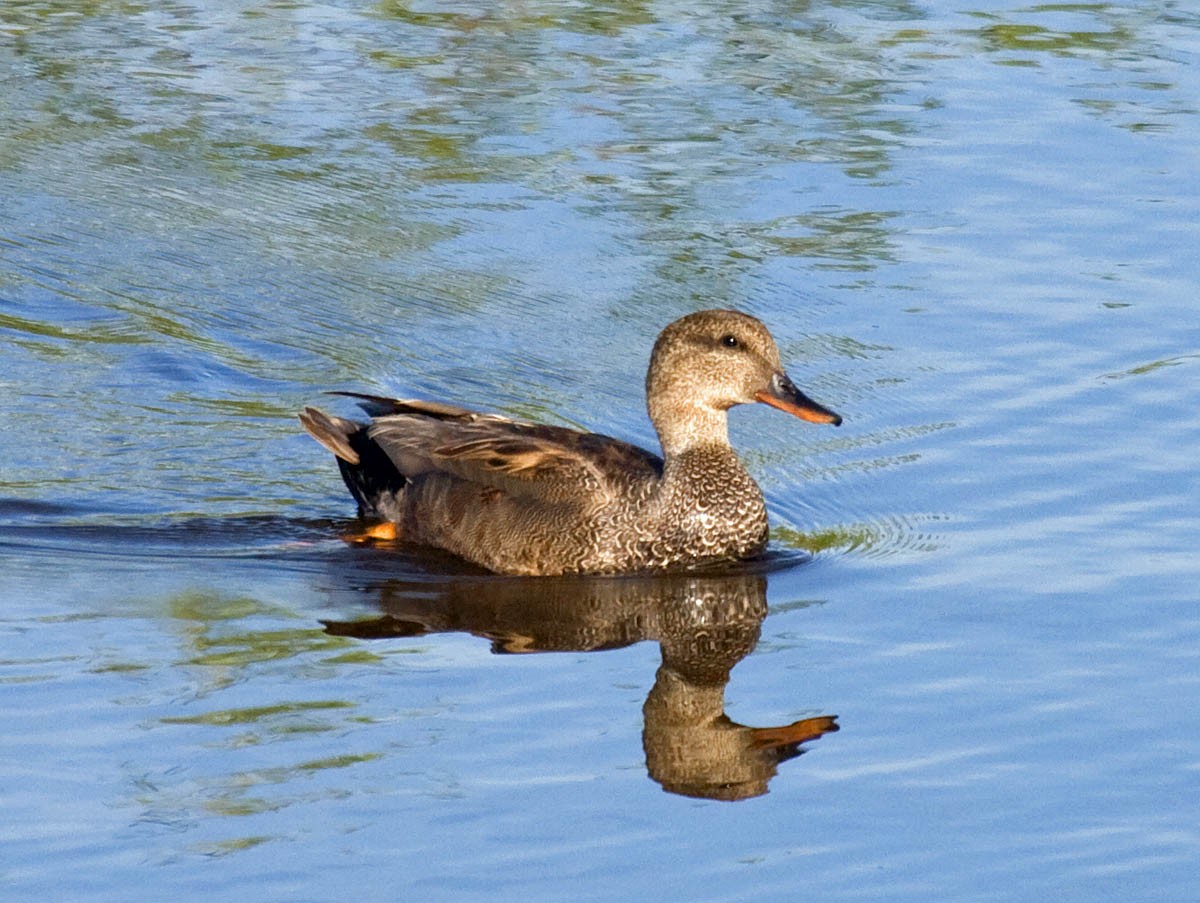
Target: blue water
[[973, 232]]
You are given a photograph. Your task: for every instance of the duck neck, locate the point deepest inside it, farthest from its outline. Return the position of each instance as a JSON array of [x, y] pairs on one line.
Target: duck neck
[[681, 427]]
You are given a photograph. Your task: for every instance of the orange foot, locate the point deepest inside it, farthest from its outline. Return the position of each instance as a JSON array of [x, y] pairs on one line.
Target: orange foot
[[794, 733], [384, 532]]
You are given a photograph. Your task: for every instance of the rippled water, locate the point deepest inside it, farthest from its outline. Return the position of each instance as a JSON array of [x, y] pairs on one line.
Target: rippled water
[[973, 232]]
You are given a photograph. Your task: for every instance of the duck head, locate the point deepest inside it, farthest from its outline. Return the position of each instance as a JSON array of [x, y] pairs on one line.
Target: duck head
[[707, 362]]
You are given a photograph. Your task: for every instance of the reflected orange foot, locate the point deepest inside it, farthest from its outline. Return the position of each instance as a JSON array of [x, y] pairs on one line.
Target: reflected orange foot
[[797, 732], [385, 532]]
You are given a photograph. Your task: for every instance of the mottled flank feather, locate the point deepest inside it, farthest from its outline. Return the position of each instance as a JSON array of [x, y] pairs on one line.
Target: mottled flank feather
[[528, 498]]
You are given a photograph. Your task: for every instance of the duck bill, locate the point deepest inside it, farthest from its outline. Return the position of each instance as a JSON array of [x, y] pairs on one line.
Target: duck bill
[[783, 394]]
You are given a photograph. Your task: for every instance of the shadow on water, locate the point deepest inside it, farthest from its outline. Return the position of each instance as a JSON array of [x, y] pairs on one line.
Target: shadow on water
[[705, 622]]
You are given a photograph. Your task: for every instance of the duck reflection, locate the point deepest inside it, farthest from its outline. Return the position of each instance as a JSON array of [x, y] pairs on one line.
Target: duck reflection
[[704, 623]]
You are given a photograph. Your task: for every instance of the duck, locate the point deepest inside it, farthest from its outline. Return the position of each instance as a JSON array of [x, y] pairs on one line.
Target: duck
[[535, 499]]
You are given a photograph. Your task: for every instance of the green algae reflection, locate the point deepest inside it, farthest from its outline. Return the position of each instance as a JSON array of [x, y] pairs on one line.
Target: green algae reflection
[[255, 714], [208, 626]]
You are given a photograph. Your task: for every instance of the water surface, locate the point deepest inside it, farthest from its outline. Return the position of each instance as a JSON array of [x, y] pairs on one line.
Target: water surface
[[972, 231]]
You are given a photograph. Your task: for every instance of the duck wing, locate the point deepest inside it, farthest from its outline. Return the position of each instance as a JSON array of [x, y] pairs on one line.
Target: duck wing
[[549, 463]]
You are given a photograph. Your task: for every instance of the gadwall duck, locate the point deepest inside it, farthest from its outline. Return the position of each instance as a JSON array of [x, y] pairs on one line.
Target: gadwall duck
[[524, 498]]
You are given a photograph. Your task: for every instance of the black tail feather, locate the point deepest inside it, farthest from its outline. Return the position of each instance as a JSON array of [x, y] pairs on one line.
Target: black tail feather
[[374, 478], [368, 472]]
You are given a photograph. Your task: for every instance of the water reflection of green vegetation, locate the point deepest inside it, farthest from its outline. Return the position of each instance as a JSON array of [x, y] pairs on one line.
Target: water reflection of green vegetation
[[115, 333], [605, 19], [1011, 36], [259, 646], [1072, 29], [235, 845], [428, 145], [263, 776], [254, 714], [206, 618], [846, 239], [844, 538], [1152, 366], [893, 536], [121, 668], [234, 795]]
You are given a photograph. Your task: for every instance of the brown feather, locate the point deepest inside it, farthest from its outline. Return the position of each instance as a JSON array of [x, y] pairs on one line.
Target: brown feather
[[332, 432]]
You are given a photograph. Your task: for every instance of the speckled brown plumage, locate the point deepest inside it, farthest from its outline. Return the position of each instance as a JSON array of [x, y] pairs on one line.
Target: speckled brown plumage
[[525, 498]]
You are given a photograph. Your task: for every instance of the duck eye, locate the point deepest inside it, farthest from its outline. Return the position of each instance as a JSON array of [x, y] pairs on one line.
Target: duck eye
[[729, 341]]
